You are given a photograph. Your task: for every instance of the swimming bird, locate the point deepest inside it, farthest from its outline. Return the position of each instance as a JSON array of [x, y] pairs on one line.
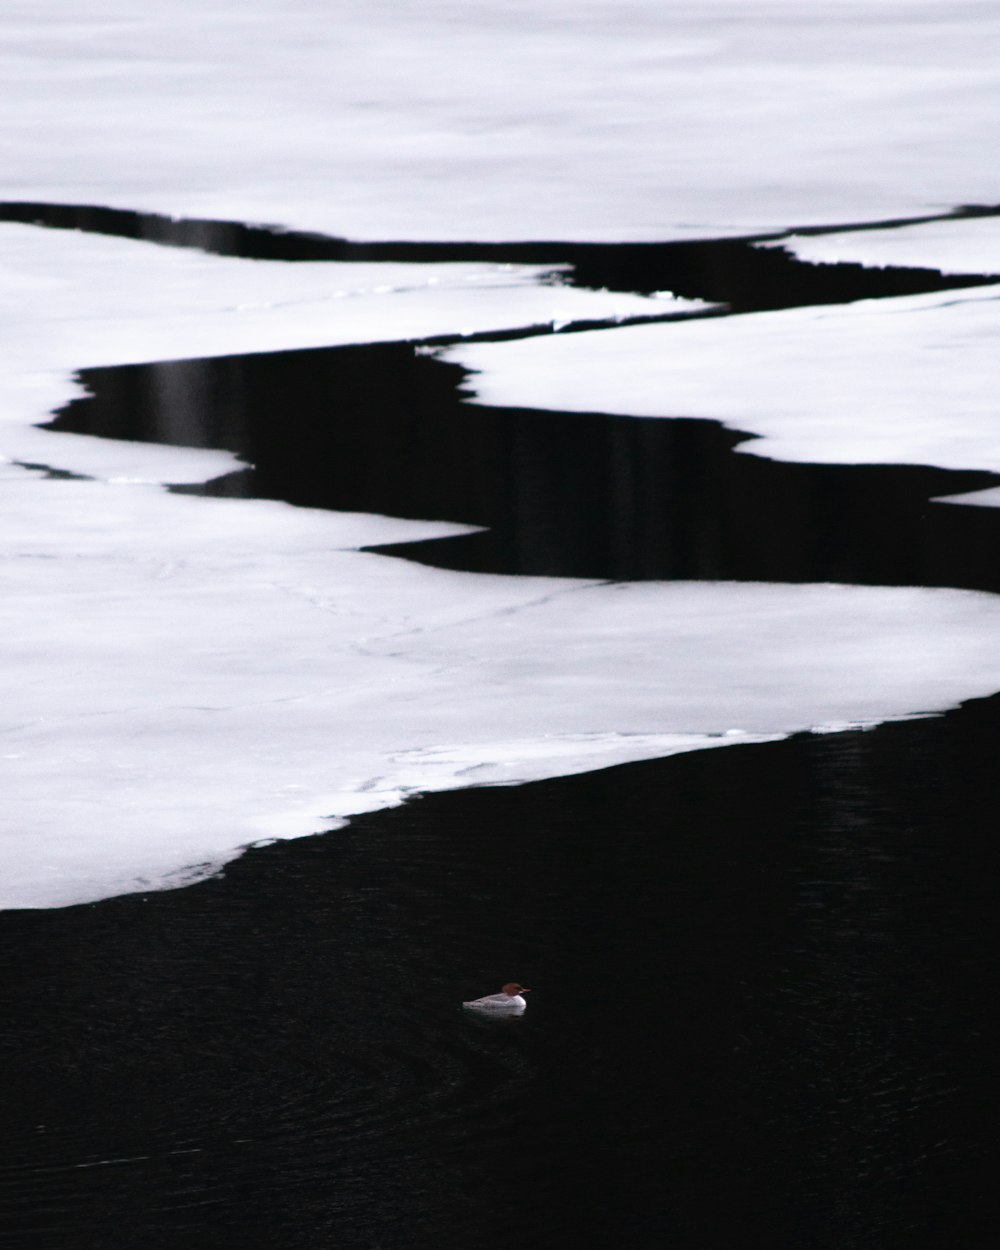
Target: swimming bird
[[507, 1003]]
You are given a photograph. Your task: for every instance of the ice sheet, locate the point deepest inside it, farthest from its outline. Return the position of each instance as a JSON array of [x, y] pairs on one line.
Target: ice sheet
[[184, 676], [989, 498], [964, 245], [441, 119], [894, 381]]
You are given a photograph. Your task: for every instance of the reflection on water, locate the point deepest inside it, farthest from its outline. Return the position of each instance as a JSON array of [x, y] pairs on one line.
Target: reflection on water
[[758, 1019]]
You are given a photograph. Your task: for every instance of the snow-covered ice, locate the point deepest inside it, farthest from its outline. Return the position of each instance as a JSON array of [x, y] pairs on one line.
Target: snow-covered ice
[[892, 381], [962, 245]]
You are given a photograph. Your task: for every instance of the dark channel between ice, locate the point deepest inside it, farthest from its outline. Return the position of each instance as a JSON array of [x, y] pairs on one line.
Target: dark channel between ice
[[383, 428], [731, 271]]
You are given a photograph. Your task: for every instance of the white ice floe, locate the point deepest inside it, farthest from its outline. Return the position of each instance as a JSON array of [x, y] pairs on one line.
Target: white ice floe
[[444, 119], [964, 245], [894, 381], [183, 676], [989, 498]]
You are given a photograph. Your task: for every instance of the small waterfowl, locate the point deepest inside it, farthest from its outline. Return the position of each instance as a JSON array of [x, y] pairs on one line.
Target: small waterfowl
[[507, 1003]]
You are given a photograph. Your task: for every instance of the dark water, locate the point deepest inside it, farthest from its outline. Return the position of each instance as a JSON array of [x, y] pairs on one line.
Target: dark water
[[762, 1015], [382, 428], [763, 1009]]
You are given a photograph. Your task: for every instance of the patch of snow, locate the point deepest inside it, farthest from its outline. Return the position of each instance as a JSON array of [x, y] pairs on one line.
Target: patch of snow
[[440, 119]]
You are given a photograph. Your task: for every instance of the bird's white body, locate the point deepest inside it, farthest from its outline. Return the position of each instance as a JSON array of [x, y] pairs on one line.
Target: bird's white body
[[509, 1002]]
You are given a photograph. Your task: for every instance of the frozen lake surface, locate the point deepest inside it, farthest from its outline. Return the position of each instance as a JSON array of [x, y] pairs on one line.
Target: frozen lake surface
[[589, 411], [594, 119]]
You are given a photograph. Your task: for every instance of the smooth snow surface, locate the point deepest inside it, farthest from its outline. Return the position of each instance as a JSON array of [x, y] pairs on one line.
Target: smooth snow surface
[[444, 119], [892, 381]]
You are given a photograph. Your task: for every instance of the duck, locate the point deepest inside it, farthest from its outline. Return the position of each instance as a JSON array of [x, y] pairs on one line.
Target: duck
[[509, 1002]]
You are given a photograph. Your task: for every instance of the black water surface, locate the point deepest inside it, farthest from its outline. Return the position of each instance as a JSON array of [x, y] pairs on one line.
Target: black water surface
[[759, 1019], [762, 1012], [733, 271], [383, 428]]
